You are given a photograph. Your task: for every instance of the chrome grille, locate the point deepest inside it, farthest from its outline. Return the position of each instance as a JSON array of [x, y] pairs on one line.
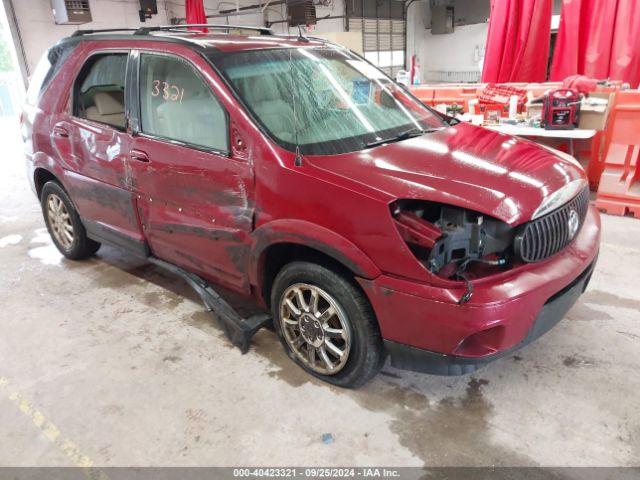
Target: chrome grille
[[546, 236]]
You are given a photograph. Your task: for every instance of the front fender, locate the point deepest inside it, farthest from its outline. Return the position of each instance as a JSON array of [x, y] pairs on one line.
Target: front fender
[[309, 235]]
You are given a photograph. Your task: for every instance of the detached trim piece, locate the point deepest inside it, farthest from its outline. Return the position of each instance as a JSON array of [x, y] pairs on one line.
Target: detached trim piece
[[407, 357], [237, 329]]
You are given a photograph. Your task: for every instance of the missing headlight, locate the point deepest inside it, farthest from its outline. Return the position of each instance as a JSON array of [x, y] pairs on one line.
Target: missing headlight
[[446, 236]]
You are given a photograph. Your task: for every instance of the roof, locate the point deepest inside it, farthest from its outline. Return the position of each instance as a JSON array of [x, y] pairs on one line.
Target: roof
[[258, 38], [228, 43]]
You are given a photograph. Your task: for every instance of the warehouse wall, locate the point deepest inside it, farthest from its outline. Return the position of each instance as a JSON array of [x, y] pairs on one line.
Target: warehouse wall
[[454, 52], [457, 52], [38, 30], [277, 13]]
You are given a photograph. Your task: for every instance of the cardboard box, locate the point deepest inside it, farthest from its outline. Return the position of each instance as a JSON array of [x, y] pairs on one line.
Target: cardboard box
[[534, 110], [594, 117]]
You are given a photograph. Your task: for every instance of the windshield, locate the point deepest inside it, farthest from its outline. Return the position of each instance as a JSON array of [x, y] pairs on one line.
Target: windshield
[[324, 100]]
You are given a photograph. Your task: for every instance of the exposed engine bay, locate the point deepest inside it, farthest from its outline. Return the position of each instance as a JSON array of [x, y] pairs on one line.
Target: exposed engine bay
[[450, 240], [467, 235]]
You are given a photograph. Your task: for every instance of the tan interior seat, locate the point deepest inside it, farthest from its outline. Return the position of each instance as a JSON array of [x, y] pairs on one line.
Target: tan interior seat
[[266, 100], [108, 108]]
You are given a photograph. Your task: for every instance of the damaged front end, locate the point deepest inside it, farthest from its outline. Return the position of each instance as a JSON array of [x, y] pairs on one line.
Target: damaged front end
[[455, 243]]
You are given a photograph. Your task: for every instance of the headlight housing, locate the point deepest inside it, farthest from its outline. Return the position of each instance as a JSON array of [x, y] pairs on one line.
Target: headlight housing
[[442, 237], [559, 198]]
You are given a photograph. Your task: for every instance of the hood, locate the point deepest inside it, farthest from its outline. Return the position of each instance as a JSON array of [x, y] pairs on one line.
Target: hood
[[464, 165]]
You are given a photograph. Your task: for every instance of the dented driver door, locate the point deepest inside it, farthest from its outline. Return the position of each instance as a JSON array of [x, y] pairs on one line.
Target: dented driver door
[[195, 199]]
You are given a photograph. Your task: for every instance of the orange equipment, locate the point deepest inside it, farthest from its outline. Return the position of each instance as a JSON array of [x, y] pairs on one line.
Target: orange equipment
[[619, 189], [495, 99]]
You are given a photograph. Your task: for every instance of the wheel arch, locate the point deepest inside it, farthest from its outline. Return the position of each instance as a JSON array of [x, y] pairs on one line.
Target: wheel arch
[[281, 242], [41, 176], [43, 169]]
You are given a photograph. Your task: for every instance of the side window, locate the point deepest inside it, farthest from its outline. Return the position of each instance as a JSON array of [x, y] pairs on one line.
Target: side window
[[48, 66], [99, 90], [176, 104], [37, 80]]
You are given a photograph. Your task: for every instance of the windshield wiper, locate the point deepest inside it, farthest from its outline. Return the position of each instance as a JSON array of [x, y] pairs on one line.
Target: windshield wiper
[[412, 132]]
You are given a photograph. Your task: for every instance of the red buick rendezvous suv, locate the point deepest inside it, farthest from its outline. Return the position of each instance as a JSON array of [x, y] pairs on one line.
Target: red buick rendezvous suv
[[290, 170]]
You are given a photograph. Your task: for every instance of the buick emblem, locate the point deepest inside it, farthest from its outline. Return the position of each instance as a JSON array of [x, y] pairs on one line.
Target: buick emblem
[[573, 223]]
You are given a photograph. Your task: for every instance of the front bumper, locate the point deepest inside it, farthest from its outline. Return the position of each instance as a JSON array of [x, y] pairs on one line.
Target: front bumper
[[407, 357], [424, 329]]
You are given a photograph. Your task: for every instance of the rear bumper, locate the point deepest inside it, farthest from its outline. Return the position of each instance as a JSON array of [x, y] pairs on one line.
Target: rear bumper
[[407, 357], [425, 329]]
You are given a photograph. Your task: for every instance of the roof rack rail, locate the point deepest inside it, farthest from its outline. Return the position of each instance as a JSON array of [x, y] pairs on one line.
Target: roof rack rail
[[79, 33], [210, 26]]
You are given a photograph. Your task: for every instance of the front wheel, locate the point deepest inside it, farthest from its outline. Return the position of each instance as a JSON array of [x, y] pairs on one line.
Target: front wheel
[[326, 324]]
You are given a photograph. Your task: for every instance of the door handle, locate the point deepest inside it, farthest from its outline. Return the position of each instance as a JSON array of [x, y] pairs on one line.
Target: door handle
[[139, 156], [60, 131]]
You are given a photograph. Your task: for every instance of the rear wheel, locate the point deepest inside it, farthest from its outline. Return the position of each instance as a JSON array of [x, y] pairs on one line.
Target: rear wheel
[[64, 225], [326, 324]]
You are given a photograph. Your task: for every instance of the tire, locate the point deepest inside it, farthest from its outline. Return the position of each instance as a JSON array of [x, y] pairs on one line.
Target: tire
[[60, 215], [353, 328]]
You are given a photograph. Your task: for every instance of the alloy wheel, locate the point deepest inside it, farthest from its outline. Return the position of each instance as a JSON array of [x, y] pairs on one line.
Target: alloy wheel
[[60, 221], [315, 327]]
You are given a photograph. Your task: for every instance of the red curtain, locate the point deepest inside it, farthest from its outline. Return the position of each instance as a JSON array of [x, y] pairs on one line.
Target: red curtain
[[195, 12], [600, 39], [518, 41]]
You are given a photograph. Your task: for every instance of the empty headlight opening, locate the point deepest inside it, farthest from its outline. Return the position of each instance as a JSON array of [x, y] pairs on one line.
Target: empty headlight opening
[[454, 243]]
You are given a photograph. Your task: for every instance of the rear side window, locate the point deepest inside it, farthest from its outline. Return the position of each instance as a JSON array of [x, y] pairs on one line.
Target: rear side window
[[99, 90], [47, 67], [176, 104]]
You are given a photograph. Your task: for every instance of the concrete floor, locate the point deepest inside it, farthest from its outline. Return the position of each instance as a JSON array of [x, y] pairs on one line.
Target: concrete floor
[[111, 362]]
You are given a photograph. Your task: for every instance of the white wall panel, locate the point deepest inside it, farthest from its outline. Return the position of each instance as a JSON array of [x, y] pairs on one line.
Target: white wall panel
[[39, 32], [452, 52]]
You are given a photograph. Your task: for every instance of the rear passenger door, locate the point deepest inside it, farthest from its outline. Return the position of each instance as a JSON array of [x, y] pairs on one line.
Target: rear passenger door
[[94, 133], [195, 199]]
